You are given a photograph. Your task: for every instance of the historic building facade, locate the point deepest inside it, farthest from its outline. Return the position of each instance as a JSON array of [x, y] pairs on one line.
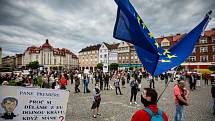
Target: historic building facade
[[89, 57], [203, 53], [108, 54], [127, 56], [50, 57]]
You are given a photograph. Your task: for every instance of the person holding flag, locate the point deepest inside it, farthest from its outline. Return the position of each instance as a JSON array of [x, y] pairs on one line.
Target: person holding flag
[[151, 112]]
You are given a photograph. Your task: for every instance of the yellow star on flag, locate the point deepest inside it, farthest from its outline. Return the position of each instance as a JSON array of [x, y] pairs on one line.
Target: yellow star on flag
[[138, 19], [165, 61], [171, 56], [156, 44], [166, 52], [143, 25], [150, 34]]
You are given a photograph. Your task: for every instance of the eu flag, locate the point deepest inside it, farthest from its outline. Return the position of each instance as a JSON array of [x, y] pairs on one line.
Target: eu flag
[[129, 27]]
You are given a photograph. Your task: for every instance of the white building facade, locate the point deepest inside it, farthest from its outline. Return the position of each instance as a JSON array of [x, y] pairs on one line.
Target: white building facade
[[108, 54], [48, 56]]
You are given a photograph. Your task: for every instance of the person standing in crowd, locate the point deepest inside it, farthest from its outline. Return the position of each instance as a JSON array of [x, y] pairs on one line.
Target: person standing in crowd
[[151, 112], [213, 95], [77, 83], [19, 80], [206, 78], [180, 98], [63, 83], [117, 85], [85, 83], [52, 80], [45, 81], [151, 81], [166, 78], [128, 77], [191, 81], [106, 80], [195, 79], [96, 101], [71, 77], [123, 80], [101, 76], [134, 89]]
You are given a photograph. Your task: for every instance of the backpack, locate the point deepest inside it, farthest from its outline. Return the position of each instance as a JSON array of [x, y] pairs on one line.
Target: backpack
[[154, 117]]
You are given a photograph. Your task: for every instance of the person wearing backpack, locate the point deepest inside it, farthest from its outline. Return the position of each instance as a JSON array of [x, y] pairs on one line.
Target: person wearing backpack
[[117, 85], [151, 112]]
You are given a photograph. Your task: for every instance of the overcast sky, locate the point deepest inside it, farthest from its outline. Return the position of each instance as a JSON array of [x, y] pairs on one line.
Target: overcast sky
[[75, 24]]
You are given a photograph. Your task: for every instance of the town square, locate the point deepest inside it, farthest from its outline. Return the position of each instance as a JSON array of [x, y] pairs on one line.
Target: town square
[[107, 60]]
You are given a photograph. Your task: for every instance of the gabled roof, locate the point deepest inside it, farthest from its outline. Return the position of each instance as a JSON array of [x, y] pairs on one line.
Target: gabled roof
[[210, 32], [111, 46]]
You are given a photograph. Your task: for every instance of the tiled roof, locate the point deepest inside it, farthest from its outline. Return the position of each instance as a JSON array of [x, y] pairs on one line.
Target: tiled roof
[[111, 46], [56, 51], [90, 48], [210, 32]]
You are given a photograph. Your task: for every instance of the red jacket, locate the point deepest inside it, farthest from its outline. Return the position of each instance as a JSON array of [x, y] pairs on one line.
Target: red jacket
[[142, 115], [63, 82]]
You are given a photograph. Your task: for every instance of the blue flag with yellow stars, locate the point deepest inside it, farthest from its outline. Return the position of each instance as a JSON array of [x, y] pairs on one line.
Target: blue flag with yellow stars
[[129, 27]]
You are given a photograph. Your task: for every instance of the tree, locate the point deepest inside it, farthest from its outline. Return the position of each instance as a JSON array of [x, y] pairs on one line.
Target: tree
[[211, 68], [99, 66], [180, 68], [33, 65], [131, 68], [113, 66]]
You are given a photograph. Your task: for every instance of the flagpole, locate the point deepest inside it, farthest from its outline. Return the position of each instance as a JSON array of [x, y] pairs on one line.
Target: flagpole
[[165, 88]]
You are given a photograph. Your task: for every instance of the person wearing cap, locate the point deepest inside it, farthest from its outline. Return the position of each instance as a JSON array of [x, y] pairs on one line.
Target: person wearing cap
[[180, 98], [213, 95]]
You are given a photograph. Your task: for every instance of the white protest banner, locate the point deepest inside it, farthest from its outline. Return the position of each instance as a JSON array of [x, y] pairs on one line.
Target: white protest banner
[[32, 104]]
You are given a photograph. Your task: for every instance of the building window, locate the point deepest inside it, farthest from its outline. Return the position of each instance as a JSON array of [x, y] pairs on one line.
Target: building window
[[165, 42], [213, 57], [100, 56], [203, 58], [194, 50], [213, 39], [203, 49], [37, 57], [203, 40], [213, 48], [192, 58], [105, 55]]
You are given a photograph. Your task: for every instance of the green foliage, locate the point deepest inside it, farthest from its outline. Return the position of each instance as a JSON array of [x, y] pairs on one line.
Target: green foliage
[[12, 83], [180, 67], [113, 66], [211, 68], [33, 65], [131, 68], [99, 66], [39, 81]]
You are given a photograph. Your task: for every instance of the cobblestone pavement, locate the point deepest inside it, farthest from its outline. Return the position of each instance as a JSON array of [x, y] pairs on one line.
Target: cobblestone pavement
[[117, 108]]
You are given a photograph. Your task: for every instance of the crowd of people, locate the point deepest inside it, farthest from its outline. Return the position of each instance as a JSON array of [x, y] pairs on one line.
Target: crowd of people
[[116, 80]]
